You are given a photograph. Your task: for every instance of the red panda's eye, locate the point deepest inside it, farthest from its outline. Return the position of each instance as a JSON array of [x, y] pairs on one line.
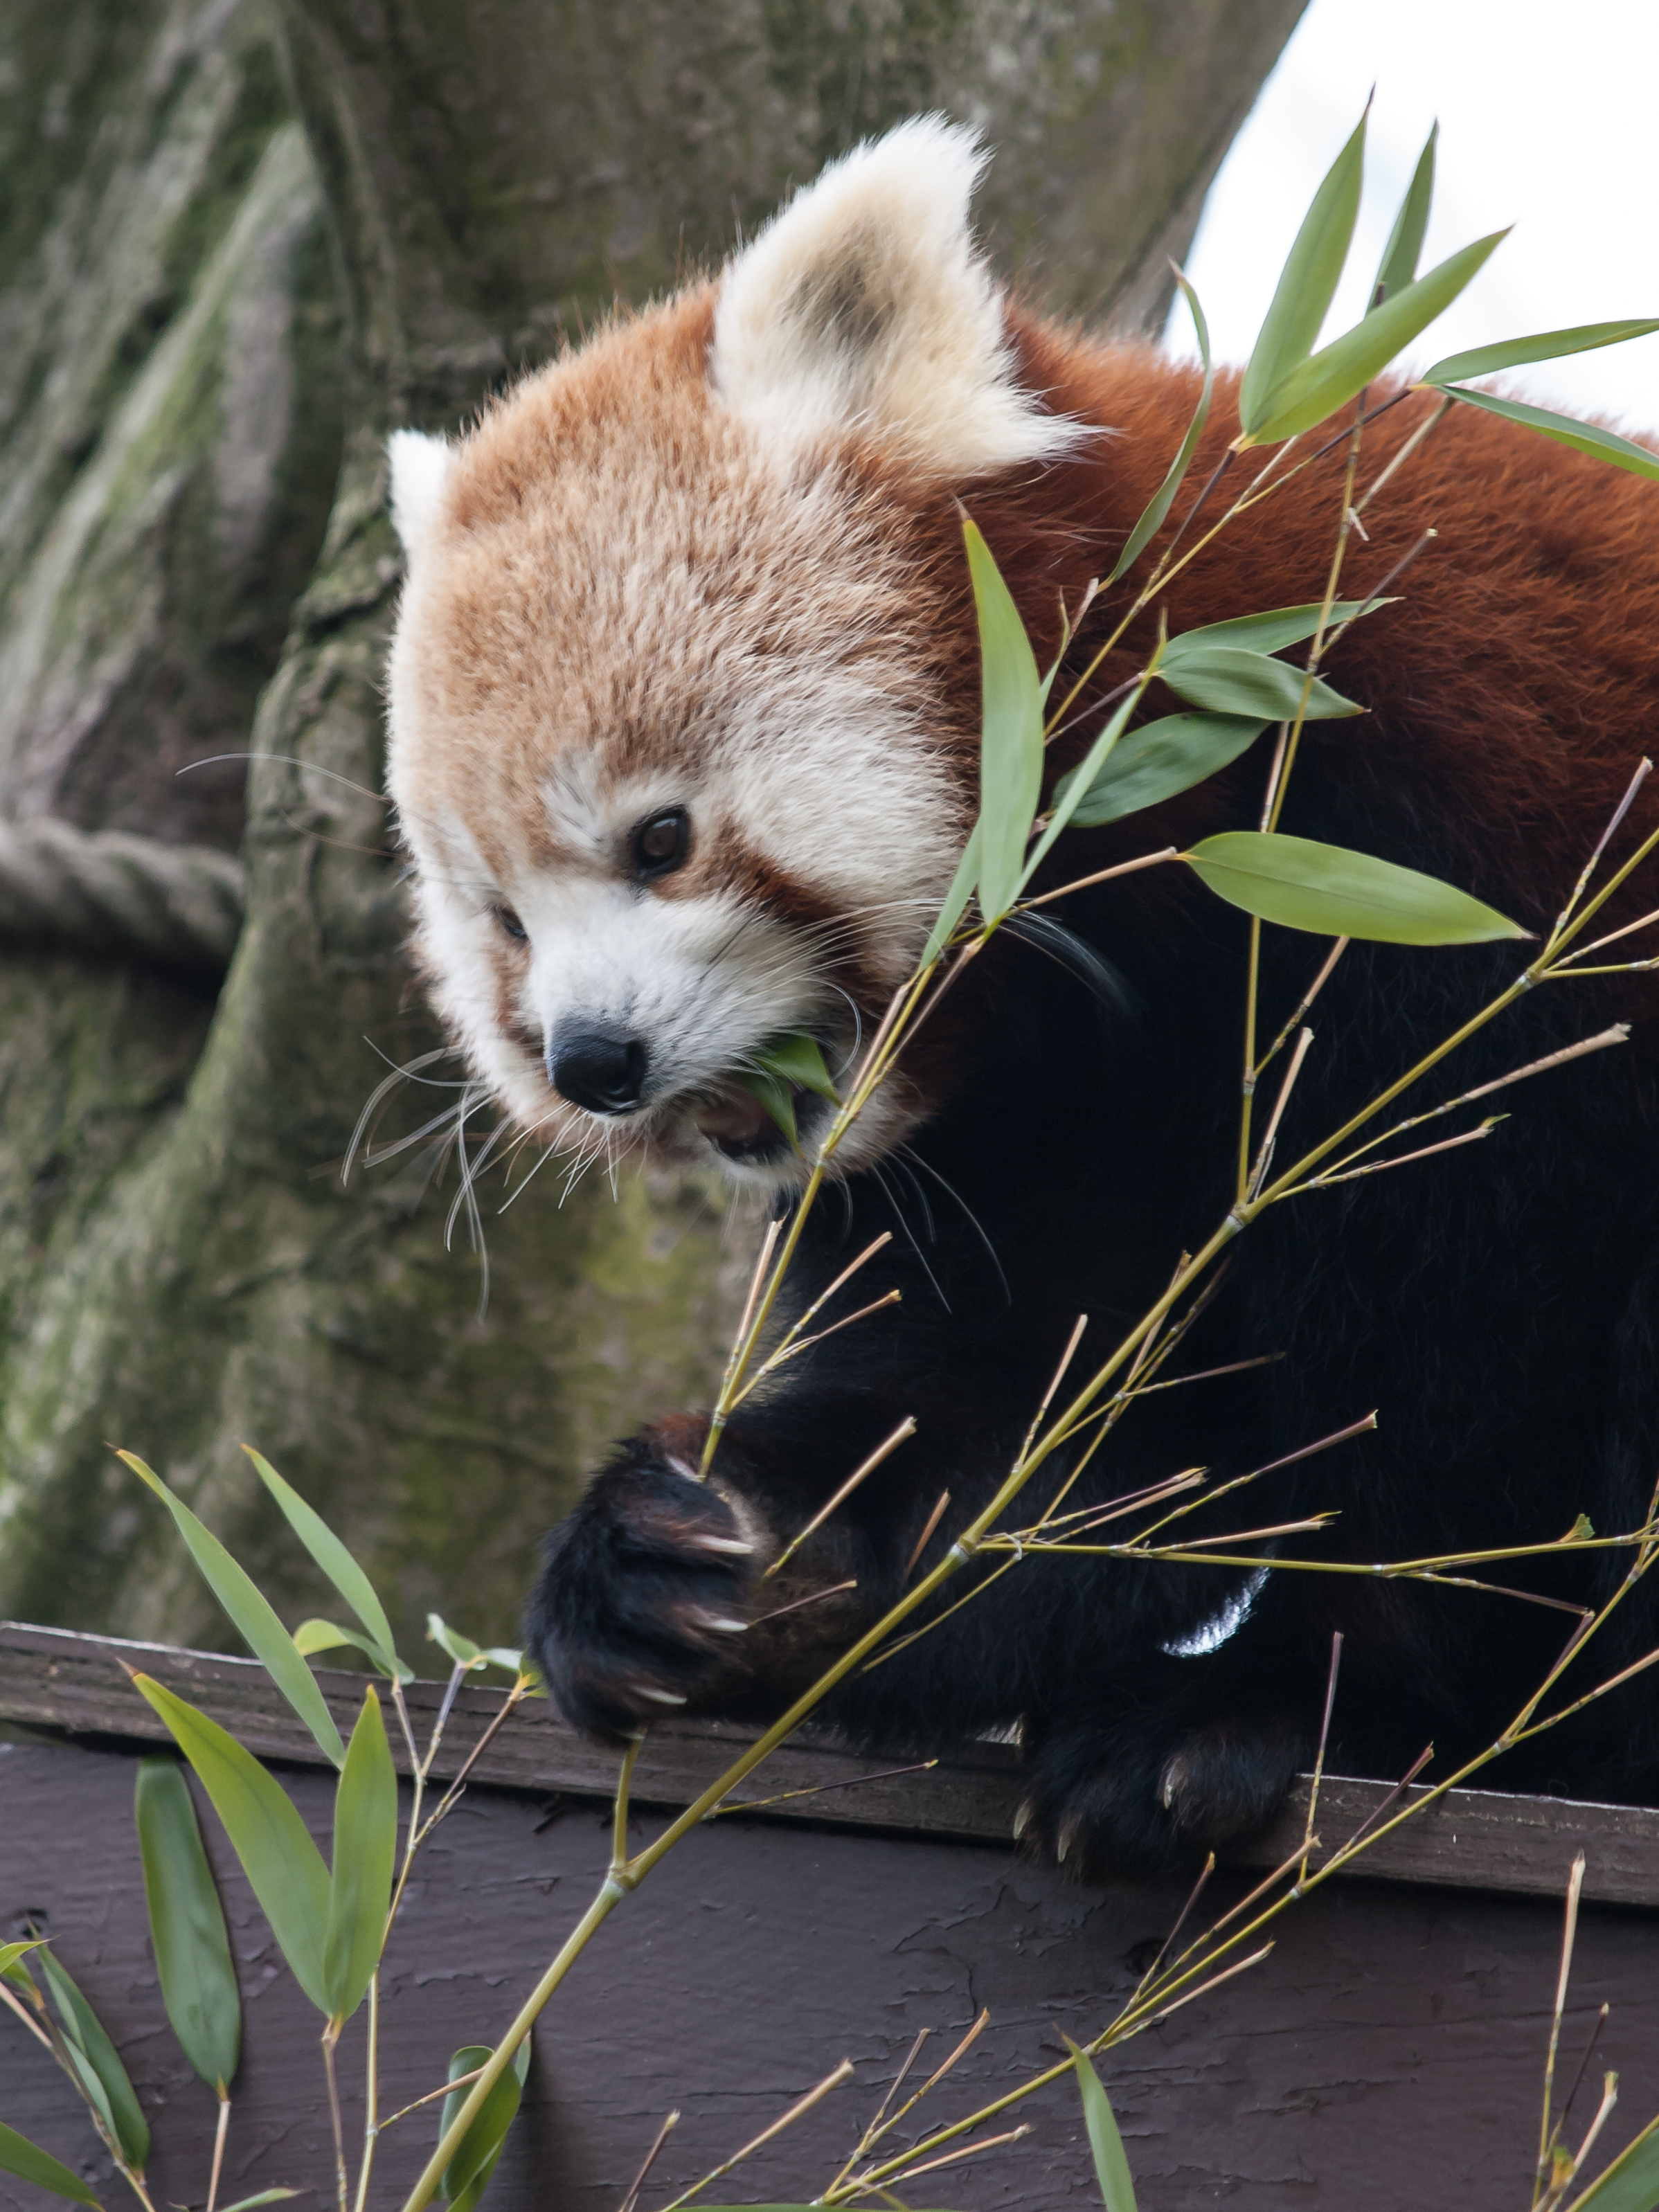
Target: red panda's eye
[[661, 844], [510, 923]]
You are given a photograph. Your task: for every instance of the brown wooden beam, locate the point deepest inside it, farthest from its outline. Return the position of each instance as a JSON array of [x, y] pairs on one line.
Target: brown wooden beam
[[78, 1685]]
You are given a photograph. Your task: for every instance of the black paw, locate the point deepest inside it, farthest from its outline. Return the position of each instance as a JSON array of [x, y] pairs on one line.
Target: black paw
[[641, 1604], [1109, 1799]]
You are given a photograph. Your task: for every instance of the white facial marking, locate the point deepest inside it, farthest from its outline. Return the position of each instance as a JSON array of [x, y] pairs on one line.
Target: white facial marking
[[634, 590]]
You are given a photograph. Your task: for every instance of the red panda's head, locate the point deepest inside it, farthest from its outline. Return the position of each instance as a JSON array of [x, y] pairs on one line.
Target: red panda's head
[[670, 743]]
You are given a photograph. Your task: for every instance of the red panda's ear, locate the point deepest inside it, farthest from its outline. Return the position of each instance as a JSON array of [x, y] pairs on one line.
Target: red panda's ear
[[866, 305], [420, 470]]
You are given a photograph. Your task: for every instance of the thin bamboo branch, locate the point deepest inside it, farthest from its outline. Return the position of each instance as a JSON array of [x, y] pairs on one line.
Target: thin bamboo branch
[[905, 1430], [801, 2106], [1570, 1929]]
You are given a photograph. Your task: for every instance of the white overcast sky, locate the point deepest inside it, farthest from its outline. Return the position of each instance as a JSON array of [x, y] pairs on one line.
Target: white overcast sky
[[1549, 119]]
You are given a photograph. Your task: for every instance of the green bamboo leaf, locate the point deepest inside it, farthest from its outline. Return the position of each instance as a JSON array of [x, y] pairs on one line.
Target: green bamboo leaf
[[317, 1635], [264, 2197], [1547, 345], [365, 1852], [1070, 788], [29, 2162], [332, 1556], [794, 1057], [461, 1649], [1335, 893], [102, 2072], [1398, 263], [1155, 763], [1152, 520], [1307, 282], [1010, 740], [187, 1925], [1630, 2184], [284, 1868], [1117, 2187], [466, 1653], [1226, 679], [776, 1096], [1587, 438], [1318, 387], [266, 1637], [956, 899], [469, 2169], [1270, 632], [10, 1954]]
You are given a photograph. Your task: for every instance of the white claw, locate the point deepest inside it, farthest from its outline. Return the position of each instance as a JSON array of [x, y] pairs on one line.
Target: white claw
[[718, 1620], [1067, 1838], [658, 1696], [723, 1544], [1022, 1818]]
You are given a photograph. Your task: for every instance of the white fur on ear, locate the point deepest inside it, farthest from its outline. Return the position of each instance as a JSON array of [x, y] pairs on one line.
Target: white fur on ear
[[420, 470], [865, 303]]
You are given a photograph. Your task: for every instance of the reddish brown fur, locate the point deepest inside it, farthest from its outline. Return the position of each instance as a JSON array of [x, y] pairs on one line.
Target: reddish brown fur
[[1505, 677]]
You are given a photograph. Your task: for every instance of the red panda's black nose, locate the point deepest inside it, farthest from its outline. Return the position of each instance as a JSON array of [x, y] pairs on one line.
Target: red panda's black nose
[[597, 1069]]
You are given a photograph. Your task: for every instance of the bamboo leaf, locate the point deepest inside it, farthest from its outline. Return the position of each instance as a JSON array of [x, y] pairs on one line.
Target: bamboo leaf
[[1308, 283], [187, 1925], [956, 899], [283, 1866], [795, 1057], [1070, 788], [264, 2197], [1226, 679], [100, 2069], [1159, 761], [1630, 2184], [469, 2171], [1117, 2187], [1011, 739], [1152, 517], [461, 1649], [1268, 633], [266, 1637], [29, 2162], [1335, 893], [1587, 438], [1398, 263], [10, 1954], [774, 1095], [1547, 345], [317, 1635], [365, 1852], [332, 1556], [1317, 388]]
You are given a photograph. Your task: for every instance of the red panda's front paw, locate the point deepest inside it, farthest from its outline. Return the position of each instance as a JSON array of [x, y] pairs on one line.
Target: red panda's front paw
[[640, 1607]]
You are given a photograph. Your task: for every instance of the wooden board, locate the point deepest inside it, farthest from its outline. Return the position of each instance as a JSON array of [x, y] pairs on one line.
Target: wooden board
[[77, 1685], [1385, 2057]]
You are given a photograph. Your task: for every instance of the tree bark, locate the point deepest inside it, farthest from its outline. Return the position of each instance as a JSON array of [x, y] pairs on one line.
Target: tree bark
[[238, 250]]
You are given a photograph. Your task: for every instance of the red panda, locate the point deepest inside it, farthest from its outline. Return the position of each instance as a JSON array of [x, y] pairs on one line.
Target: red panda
[[684, 709]]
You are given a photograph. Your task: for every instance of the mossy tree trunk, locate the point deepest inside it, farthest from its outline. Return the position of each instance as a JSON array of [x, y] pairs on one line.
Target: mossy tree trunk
[[238, 247]]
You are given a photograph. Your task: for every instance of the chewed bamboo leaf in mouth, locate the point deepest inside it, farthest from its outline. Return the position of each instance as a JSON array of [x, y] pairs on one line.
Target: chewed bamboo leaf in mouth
[[785, 1065]]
